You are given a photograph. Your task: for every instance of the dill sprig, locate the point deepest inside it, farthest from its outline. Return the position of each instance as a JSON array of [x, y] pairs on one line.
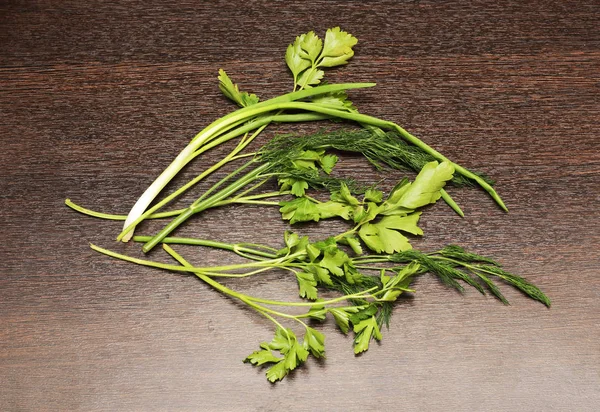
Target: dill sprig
[[453, 263], [378, 147]]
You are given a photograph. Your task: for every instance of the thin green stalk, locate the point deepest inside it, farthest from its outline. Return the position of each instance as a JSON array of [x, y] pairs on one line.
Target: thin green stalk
[[230, 292], [221, 182], [205, 204], [109, 216], [451, 203], [166, 266], [262, 310], [211, 243]]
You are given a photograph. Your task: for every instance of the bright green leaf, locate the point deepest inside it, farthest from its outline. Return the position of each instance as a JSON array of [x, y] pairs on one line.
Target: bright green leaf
[[277, 372], [261, 357], [342, 316], [294, 59], [331, 209], [299, 188], [344, 196], [310, 78], [300, 209], [328, 162], [310, 46], [231, 91], [314, 341], [354, 244], [321, 274], [365, 331], [333, 261], [384, 236], [337, 47], [374, 195], [317, 312], [426, 187], [339, 99], [307, 285]]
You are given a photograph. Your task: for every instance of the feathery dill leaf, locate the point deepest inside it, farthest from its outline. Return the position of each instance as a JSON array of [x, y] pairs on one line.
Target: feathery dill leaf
[[457, 252], [379, 148], [453, 262], [517, 281]]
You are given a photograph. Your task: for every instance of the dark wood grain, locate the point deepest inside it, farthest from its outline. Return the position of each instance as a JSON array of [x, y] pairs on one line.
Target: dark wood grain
[[97, 98]]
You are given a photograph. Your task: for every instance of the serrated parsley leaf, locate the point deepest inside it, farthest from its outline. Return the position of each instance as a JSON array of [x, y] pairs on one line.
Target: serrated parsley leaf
[[321, 274], [261, 357], [299, 187], [310, 78], [334, 260], [300, 209], [338, 99], [425, 189], [342, 316], [385, 236], [374, 195], [328, 162], [294, 59], [344, 196], [365, 331], [284, 342], [337, 48], [307, 285], [317, 313], [277, 372], [354, 244], [310, 46], [331, 209], [231, 91], [314, 341]]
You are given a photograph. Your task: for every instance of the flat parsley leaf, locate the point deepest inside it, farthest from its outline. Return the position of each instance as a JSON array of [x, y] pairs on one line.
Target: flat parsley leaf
[[384, 236], [425, 189], [294, 59], [314, 341], [300, 209], [309, 78], [231, 91], [365, 330], [344, 196], [328, 162], [286, 344], [337, 48], [310, 46], [342, 316], [307, 285]]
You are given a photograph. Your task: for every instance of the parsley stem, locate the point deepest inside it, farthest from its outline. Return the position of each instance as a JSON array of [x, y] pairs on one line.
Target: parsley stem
[[242, 247], [215, 270], [109, 216], [223, 289]]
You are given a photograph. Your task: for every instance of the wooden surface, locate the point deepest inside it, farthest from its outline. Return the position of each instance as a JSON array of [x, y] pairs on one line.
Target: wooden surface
[[96, 99]]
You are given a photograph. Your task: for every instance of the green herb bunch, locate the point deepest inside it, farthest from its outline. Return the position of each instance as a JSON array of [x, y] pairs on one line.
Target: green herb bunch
[[369, 265]]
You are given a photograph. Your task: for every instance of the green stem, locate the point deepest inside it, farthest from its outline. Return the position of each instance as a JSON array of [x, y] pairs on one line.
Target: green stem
[[262, 310], [205, 204], [451, 203], [166, 266], [238, 295], [209, 243], [109, 216]]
